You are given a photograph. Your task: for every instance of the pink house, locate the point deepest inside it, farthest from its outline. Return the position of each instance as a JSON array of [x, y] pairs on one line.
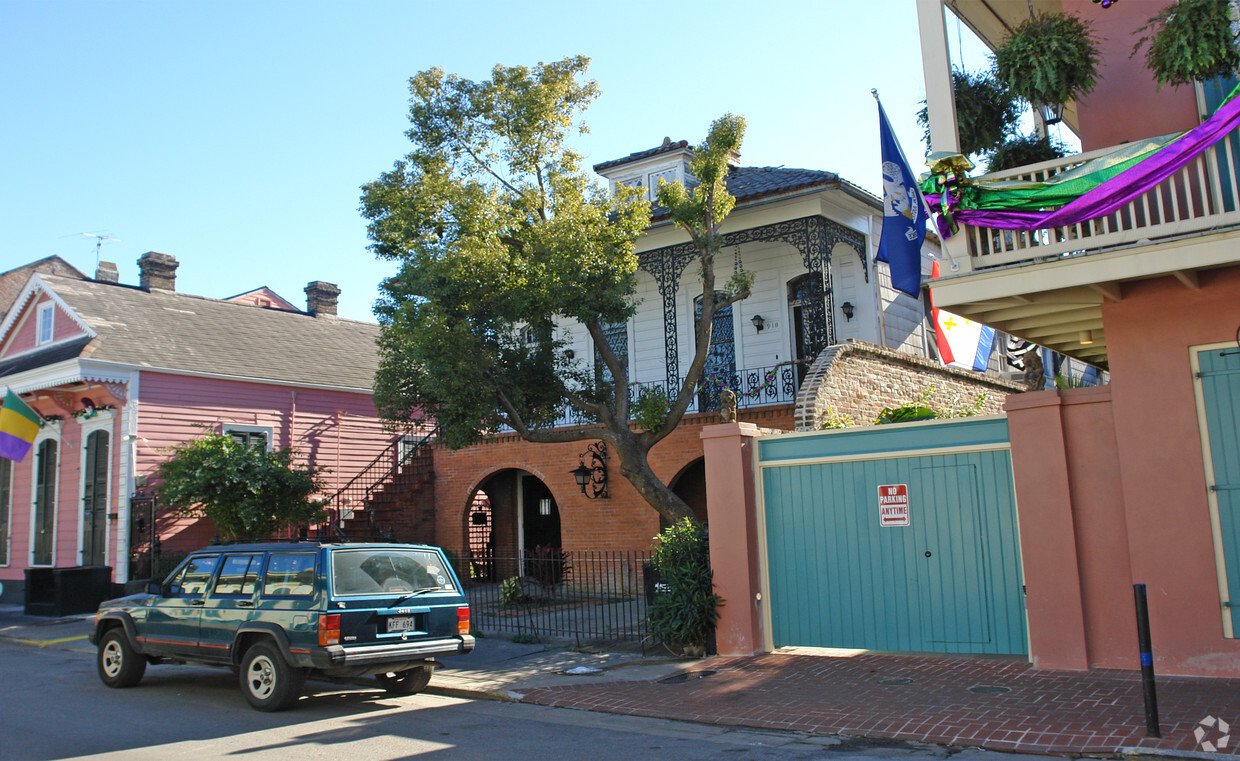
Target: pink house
[[121, 372]]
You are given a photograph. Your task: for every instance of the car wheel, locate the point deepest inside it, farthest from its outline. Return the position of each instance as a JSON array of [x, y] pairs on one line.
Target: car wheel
[[267, 681], [408, 682], [119, 664]]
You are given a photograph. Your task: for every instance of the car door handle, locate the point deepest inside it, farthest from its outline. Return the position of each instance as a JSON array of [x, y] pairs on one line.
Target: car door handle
[[245, 604], [197, 603]]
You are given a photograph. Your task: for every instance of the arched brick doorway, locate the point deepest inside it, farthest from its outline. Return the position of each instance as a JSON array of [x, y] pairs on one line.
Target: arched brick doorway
[[510, 516]]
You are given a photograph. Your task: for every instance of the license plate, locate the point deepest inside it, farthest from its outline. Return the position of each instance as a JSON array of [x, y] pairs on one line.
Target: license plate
[[402, 624]]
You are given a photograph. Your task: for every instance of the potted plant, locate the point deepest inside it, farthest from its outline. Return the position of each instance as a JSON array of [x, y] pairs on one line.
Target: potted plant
[[1190, 40], [1048, 60], [985, 111]]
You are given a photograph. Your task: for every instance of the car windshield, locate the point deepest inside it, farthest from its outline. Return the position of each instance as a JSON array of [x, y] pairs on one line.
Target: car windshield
[[388, 570]]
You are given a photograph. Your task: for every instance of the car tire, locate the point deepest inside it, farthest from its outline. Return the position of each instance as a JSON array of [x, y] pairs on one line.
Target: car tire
[[118, 663], [267, 681], [407, 682]]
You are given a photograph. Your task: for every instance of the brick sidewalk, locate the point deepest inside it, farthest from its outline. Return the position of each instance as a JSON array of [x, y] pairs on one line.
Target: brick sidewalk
[[994, 704]]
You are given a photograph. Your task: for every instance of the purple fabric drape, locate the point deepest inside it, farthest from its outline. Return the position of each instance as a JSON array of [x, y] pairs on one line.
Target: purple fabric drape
[[1114, 193]]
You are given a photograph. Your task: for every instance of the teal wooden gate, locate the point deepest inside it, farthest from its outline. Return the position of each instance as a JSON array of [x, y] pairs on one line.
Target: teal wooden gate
[[942, 576], [1220, 395]]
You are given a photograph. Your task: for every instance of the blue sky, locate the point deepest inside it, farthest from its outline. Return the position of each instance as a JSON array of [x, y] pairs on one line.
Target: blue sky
[[235, 135]]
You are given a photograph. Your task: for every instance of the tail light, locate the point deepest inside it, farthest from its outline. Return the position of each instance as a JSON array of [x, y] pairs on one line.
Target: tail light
[[329, 629], [462, 620]]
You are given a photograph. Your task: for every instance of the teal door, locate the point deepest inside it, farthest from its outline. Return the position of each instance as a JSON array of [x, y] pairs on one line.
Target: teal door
[[945, 578], [1220, 390]]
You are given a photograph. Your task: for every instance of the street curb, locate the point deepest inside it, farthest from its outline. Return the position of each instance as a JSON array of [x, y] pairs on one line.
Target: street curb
[[472, 694], [1135, 752]]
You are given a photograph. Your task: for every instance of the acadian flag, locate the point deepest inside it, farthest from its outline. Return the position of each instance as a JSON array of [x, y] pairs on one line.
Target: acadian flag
[[904, 213], [968, 343], [18, 426]]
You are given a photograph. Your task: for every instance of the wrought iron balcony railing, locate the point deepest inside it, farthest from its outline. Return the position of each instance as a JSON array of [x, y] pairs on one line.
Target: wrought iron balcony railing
[[754, 387]]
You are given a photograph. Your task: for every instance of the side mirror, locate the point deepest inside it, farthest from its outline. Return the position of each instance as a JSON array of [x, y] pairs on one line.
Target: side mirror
[[154, 588]]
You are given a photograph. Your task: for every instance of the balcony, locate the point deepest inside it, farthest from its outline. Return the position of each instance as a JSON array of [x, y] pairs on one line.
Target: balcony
[[754, 387], [1047, 285]]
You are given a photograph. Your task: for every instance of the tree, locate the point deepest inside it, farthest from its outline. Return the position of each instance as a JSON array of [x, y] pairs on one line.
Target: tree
[[503, 240], [247, 492]]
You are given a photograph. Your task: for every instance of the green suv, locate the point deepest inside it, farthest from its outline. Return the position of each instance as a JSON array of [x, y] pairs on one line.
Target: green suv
[[277, 613]]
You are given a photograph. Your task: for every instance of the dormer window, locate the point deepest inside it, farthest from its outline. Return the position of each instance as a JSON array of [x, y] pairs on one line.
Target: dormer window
[[650, 181], [46, 326]]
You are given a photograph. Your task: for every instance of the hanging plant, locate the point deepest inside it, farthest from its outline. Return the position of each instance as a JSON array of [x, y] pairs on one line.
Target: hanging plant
[[1190, 40], [985, 111], [1023, 150], [1049, 59]]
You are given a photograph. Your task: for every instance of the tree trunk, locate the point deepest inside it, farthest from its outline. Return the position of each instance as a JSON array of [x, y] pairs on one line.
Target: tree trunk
[[635, 467]]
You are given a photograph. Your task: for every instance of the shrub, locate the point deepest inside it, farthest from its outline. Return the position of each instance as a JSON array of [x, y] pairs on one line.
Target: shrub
[[511, 593], [683, 613]]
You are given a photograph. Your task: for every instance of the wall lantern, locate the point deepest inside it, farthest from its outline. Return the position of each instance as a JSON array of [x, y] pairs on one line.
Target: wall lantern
[[592, 478], [758, 322], [1087, 337], [848, 309]]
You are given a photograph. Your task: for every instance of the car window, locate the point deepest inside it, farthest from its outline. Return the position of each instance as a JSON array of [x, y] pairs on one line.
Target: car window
[[238, 575], [375, 571], [289, 575], [192, 580]]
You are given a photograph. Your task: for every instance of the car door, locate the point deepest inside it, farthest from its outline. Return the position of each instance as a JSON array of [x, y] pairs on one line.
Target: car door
[[174, 618], [229, 604]]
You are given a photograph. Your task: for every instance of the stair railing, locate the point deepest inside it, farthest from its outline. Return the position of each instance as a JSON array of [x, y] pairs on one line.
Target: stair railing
[[355, 495]]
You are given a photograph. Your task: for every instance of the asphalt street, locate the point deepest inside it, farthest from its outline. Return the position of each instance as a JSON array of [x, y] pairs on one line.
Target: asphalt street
[[56, 708]]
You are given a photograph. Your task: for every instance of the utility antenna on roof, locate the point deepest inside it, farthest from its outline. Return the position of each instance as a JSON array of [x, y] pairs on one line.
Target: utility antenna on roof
[[99, 240]]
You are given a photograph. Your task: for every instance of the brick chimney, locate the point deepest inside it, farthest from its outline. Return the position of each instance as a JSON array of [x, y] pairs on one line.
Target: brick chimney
[[321, 298], [157, 271], [106, 273]]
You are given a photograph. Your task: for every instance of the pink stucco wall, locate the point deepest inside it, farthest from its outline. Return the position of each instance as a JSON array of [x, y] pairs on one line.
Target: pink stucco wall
[[1111, 491], [1158, 438], [1125, 86]]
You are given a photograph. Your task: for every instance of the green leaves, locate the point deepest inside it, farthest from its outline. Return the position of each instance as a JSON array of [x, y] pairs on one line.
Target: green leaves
[[1049, 59], [685, 609], [247, 492], [1193, 41]]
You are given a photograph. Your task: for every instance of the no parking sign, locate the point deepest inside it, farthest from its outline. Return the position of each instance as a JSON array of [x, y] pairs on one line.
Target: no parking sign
[[893, 505]]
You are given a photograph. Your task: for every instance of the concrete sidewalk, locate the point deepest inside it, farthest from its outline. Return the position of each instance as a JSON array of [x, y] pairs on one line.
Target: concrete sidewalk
[[998, 704]]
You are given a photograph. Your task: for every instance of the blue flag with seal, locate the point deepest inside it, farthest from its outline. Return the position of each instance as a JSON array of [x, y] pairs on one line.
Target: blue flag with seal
[[904, 213]]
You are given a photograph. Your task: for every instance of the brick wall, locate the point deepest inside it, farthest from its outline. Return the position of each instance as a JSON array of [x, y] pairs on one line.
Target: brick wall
[[861, 379], [624, 521]]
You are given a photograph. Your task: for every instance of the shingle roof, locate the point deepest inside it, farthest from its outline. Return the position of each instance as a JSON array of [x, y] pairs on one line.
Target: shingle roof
[[751, 183], [191, 334], [668, 145]]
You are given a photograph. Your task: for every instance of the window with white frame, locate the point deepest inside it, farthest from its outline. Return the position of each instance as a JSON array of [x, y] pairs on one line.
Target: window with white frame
[[46, 323], [257, 437]]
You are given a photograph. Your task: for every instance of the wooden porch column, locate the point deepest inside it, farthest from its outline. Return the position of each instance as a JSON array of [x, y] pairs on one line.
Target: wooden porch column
[[732, 507]]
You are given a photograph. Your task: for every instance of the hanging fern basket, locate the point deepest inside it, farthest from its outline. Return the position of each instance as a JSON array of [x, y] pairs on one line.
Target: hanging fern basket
[[1190, 40], [1049, 59]]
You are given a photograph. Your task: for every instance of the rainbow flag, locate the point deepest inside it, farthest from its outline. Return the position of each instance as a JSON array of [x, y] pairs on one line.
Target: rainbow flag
[[19, 424]]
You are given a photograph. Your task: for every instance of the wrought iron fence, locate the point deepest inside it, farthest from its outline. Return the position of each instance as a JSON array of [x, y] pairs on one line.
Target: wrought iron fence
[[583, 595]]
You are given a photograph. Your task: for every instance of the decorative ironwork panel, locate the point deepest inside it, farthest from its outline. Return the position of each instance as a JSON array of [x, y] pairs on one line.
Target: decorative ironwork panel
[[814, 237], [719, 372], [617, 334]]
